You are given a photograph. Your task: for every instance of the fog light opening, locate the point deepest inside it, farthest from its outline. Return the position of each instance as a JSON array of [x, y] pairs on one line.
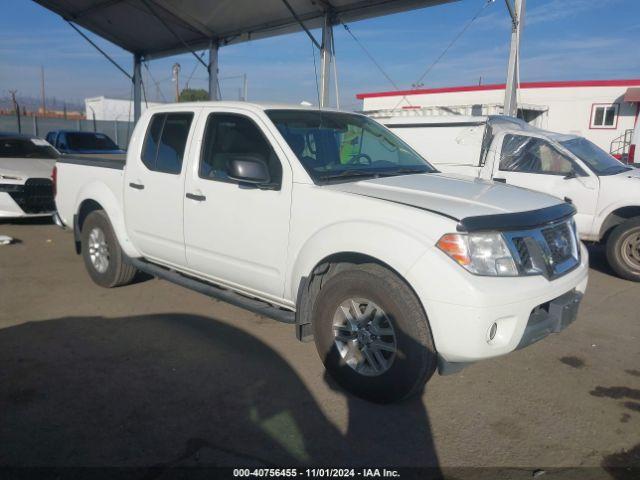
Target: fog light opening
[[492, 331]]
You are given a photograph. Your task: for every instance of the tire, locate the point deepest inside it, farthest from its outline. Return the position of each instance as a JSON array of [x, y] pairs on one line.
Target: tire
[[400, 374], [115, 271], [623, 250]]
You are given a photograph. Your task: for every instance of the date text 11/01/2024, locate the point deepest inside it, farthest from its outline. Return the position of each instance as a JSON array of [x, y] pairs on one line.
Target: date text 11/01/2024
[[317, 472]]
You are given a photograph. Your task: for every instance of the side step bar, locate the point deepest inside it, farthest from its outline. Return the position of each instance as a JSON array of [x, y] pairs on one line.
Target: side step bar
[[256, 306]]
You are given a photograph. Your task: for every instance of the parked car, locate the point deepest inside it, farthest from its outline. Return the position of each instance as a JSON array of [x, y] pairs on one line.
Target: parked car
[[504, 149], [25, 176], [392, 268], [84, 143]]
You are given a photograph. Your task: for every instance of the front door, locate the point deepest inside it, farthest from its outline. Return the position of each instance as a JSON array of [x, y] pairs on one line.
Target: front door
[[154, 188], [535, 163], [237, 234]]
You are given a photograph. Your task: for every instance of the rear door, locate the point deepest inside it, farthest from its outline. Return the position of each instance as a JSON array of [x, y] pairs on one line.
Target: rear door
[[237, 234], [154, 187], [533, 162]]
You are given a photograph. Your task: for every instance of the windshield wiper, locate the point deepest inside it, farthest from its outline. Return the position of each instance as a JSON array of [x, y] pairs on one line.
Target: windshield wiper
[[406, 171], [350, 173]]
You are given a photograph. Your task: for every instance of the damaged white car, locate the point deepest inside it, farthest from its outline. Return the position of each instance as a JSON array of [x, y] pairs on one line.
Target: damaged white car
[[26, 189]]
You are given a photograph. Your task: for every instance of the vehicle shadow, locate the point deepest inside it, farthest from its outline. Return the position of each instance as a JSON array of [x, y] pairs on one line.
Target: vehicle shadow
[[27, 221], [180, 390], [598, 259]]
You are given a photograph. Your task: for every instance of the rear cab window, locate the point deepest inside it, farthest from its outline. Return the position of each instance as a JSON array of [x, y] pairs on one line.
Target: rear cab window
[[165, 142]]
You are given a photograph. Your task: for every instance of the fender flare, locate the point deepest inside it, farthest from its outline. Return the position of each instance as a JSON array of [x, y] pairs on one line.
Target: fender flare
[[100, 193], [607, 220], [394, 246]]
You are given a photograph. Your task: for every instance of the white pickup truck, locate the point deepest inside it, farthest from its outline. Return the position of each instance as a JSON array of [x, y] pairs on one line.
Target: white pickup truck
[[392, 268], [605, 192]]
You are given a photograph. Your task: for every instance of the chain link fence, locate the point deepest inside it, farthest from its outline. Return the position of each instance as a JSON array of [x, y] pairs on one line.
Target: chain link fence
[[118, 131]]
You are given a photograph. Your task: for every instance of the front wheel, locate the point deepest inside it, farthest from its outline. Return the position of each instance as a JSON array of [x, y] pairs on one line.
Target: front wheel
[[372, 334], [623, 250], [103, 257]]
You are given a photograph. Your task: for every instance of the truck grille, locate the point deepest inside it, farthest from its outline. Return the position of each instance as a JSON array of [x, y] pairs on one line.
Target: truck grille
[[552, 250], [36, 196]]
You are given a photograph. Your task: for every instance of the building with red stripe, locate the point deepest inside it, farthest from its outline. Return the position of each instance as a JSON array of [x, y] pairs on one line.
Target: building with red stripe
[[601, 110]]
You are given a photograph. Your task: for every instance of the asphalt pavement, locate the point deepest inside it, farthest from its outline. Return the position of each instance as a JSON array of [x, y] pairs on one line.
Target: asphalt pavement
[[152, 374]]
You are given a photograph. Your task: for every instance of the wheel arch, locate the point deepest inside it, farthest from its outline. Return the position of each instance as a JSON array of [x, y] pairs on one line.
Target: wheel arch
[[617, 217], [98, 196]]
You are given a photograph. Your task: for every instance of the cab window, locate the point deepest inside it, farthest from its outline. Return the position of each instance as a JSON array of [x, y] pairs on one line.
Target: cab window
[[166, 141], [228, 136], [525, 154]]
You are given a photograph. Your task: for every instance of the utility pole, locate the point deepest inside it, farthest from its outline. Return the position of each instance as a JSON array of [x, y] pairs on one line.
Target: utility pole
[[513, 72], [16, 108], [176, 78], [43, 106], [245, 87]]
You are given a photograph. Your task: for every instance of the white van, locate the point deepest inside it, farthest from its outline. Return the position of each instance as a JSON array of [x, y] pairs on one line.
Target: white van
[[605, 191]]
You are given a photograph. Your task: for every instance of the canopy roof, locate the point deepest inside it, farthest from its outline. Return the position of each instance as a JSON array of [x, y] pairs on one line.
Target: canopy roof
[[157, 28]]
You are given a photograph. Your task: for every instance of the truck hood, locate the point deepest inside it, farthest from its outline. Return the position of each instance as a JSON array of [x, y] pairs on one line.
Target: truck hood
[[25, 168], [624, 183], [455, 196]]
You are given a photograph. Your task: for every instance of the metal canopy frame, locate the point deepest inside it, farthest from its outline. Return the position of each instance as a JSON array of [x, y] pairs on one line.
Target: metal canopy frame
[[152, 29]]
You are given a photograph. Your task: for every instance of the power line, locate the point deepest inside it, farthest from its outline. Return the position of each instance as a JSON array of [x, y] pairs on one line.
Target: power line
[[368, 54], [448, 47]]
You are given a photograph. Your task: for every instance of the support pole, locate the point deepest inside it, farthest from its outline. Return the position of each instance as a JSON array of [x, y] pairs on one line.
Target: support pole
[[326, 57], [137, 87], [245, 87], [214, 93], [513, 72]]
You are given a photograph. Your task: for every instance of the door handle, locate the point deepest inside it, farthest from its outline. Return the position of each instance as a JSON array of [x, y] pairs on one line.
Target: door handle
[[137, 186], [196, 197], [501, 180]]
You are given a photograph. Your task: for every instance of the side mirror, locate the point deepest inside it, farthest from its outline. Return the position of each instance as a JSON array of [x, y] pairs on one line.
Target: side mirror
[[248, 168], [570, 175]]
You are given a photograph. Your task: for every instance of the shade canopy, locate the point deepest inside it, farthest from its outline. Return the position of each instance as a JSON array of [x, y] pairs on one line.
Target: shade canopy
[[158, 28]]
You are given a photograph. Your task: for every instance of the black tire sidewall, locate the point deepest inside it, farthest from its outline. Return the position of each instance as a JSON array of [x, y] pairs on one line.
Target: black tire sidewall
[[415, 358], [614, 250], [100, 220]]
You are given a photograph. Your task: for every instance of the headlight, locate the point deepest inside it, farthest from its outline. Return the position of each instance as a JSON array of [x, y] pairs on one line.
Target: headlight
[[480, 253]]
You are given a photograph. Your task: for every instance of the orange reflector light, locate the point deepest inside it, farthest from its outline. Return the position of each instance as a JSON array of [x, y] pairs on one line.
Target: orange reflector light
[[454, 245]]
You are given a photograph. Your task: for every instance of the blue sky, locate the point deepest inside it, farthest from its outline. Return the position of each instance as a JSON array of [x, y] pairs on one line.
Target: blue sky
[[562, 40]]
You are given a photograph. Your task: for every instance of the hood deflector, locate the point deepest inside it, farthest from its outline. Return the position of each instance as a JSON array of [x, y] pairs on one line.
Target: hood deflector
[[502, 221]]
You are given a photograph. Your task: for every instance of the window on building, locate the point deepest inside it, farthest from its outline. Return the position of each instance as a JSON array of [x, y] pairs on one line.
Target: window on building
[[604, 116]]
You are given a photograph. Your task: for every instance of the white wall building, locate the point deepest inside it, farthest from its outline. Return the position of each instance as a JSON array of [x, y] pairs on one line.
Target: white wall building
[[112, 108], [602, 110]]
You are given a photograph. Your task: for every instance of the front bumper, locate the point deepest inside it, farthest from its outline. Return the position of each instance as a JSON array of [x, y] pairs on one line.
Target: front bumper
[[463, 308], [34, 198]]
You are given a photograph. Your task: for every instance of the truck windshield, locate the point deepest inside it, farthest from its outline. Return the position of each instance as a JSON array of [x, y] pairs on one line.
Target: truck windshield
[[90, 141], [26, 148], [594, 157], [334, 145]]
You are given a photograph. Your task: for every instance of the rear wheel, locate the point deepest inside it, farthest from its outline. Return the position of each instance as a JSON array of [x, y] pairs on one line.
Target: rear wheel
[[623, 249], [103, 257], [372, 334]]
